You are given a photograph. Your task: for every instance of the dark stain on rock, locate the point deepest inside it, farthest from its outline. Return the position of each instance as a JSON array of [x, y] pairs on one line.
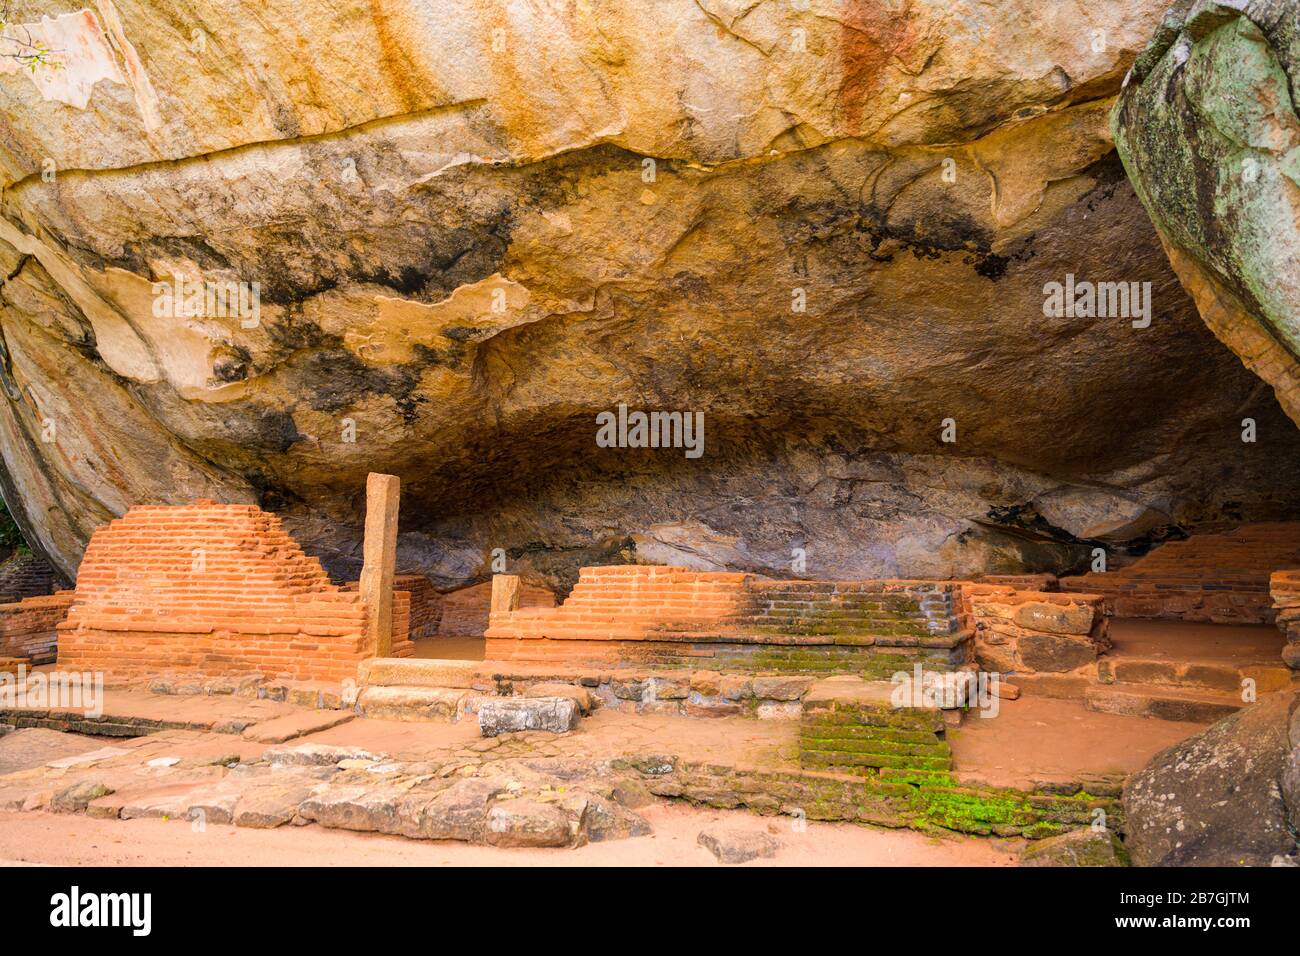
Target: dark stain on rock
[[869, 228], [231, 364], [335, 379]]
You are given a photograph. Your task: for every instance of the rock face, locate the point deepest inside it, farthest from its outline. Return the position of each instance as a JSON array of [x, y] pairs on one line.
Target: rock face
[[829, 230], [1208, 131], [1225, 797]]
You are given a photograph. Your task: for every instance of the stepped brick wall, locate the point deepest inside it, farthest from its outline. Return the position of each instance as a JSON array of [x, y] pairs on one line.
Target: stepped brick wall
[[213, 590], [465, 611], [1284, 587], [29, 628], [1019, 632], [671, 616], [24, 576], [1219, 578]]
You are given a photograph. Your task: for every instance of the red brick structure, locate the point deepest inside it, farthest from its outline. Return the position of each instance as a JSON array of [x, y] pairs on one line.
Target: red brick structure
[[465, 611], [212, 589], [426, 605], [24, 576], [1285, 589], [670, 616], [1218, 578], [29, 628], [420, 613], [1020, 632]]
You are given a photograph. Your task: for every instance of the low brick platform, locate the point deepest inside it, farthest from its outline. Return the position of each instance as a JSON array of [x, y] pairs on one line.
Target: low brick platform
[[1025, 632], [675, 617], [1218, 578], [29, 628], [209, 589]]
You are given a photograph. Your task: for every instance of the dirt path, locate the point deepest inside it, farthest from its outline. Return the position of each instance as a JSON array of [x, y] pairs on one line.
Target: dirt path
[[65, 840]]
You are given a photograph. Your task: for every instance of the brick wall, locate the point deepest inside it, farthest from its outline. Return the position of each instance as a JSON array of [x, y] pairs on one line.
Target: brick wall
[[1022, 582], [411, 610], [1019, 632], [465, 611], [1284, 587], [1219, 578], [28, 628], [426, 604], [208, 589], [26, 575], [668, 616]]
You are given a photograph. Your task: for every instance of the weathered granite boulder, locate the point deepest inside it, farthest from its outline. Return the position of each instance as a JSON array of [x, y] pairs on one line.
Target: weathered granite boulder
[[1224, 797], [737, 844], [828, 230], [1208, 131], [1085, 847], [611, 819], [75, 798], [500, 715], [527, 823]]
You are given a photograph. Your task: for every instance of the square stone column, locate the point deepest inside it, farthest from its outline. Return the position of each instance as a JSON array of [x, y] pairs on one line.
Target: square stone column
[[505, 594], [383, 495]]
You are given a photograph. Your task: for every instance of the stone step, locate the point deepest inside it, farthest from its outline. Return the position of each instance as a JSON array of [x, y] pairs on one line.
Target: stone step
[[418, 672], [1193, 675], [1162, 703]]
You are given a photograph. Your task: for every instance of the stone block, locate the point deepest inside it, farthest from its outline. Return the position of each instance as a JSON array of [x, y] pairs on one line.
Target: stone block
[[499, 715], [410, 703], [527, 823]]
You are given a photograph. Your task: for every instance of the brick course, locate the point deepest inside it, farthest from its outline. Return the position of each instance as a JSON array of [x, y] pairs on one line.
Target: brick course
[[28, 628], [1218, 578], [1284, 586], [209, 589], [1018, 632], [464, 612], [672, 616], [24, 576]]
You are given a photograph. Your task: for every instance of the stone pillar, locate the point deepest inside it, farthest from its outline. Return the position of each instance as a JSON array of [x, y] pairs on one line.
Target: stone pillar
[[505, 593], [383, 494]]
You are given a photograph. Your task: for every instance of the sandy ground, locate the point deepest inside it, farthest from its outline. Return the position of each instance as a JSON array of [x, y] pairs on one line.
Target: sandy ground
[[1235, 644], [65, 840], [1040, 738]]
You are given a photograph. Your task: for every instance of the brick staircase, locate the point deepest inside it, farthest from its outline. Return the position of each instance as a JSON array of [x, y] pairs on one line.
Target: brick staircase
[[1184, 672], [1220, 578]]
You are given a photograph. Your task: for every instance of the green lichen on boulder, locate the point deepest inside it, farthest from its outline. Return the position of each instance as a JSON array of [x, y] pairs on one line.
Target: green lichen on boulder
[[1207, 129], [1088, 847]]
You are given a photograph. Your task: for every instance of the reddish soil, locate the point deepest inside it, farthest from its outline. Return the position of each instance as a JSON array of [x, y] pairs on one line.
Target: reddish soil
[[1040, 738], [1236, 644]]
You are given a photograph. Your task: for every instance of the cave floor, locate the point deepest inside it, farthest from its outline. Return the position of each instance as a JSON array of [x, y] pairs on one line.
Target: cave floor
[[451, 648], [1030, 739], [1042, 738], [1237, 644]]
